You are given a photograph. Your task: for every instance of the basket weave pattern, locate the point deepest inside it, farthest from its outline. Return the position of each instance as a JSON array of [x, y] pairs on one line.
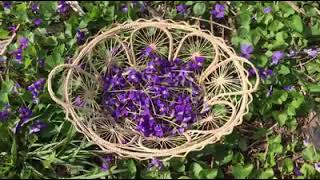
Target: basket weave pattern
[[225, 79]]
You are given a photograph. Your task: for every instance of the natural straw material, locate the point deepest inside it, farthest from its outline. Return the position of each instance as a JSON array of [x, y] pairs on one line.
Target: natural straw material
[[225, 78]]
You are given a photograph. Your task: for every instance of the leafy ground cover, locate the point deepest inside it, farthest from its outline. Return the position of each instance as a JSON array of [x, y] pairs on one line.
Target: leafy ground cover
[[278, 139]]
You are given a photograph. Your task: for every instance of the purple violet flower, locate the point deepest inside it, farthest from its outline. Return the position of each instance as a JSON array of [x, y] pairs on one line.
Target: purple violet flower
[[158, 131], [24, 42], [181, 9], [306, 143], [80, 36], [155, 163], [124, 8], [218, 11], [276, 57], [37, 127], [3, 59], [16, 88], [106, 161], [12, 28], [246, 50], [24, 113], [147, 52], [143, 6], [288, 88], [267, 10], [36, 88], [79, 101], [312, 52], [35, 7], [63, 7], [265, 73], [5, 113], [133, 76], [297, 171], [251, 72], [37, 21], [6, 4], [41, 63], [196, 64], [18, 55]]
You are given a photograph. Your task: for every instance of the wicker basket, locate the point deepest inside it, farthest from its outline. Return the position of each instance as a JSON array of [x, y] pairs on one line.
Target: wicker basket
[[225, 79]]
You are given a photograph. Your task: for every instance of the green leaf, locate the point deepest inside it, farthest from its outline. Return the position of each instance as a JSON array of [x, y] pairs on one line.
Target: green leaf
[[284, 70], [307, 170], [296, 23], [21, 12], [241, 172], [255, 36], [315, 29], [56, 58], [267, 174], [275, 148], [281, 118], [270, 161], [262, 60], [165, 175], [68, 31], [276, 25], [209, 173], [49, 159], [189, 3], [275, 145], [268, 19], [178, 164], [297, 101], [199, 8], [110, 13], [282, 35], [100, 175], [48, 9], [49, 41], [245, 19], [131, 167], [237, 158], [184, 177], [309, 154], [291, 111], [25, 173], [244, 31], [226, 158], [279, 96], [181, 169], [288, 165], [4, 34], [6, 89], [275, 139], [314, 88], [243, 144], [196, 169], [286, 8], [59, 49], [27, 62], [279, 42], [269, 53]]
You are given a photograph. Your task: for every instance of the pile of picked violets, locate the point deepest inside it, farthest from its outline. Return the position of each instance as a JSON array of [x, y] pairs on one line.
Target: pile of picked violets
[[163, 97]]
